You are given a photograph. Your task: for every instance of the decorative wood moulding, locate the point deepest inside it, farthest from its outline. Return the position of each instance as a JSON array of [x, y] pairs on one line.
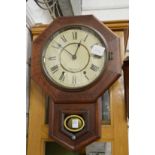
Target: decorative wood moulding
[[113, 25]]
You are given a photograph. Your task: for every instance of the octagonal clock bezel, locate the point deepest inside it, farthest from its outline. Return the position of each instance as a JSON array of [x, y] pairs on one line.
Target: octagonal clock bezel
[[101, 38]]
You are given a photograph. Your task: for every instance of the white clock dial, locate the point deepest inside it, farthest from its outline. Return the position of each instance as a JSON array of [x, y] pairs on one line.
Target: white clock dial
[[68, 59]]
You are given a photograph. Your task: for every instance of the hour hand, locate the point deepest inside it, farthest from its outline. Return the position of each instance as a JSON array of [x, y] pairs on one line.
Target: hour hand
[[74, 56]]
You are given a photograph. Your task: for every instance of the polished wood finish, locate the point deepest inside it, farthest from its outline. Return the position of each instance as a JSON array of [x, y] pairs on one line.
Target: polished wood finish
[[91, 114], [35, 128], [109, 76], [84, 98], [121, 26], [116, 132]]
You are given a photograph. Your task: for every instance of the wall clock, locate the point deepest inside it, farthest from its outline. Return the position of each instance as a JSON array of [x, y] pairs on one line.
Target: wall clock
[[74, 61]]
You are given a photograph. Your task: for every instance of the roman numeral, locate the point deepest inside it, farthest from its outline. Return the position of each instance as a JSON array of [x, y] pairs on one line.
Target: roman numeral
[[52, 58], [73, 79], [62, 76], [64, 38], [74, 34], [94, 68], [57, 45], [85, 38], [54, 68]]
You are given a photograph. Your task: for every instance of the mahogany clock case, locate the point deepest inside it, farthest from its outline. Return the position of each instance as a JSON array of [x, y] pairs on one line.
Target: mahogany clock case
[[96, 89]]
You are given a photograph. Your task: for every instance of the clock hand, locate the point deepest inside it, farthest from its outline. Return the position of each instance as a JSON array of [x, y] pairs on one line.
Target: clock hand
[[63, 48], [74, 56], [67, 51]]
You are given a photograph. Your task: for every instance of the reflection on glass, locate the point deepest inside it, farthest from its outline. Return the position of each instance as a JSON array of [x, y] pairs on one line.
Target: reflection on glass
[[106, 108], [52, 148], [99, 148]]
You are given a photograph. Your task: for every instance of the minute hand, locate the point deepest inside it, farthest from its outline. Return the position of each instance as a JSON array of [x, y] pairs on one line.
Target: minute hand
[[63, 48], [67, 51]]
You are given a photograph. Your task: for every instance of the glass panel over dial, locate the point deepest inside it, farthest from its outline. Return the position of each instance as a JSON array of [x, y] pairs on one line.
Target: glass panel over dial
[[74, 57]]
